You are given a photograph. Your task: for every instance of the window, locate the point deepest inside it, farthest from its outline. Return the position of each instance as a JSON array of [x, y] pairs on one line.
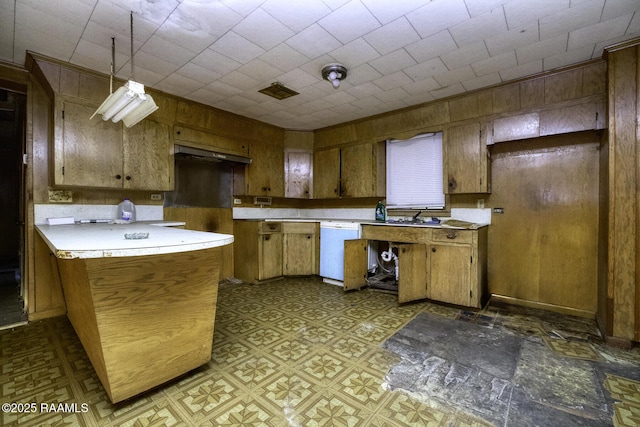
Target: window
[[414, 172]]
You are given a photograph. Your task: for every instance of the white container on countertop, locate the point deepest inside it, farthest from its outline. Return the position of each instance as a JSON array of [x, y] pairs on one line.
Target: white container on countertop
[[126, 211]]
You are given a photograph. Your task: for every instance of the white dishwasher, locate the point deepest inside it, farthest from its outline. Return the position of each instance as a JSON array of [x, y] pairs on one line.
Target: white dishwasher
[[332, 237]]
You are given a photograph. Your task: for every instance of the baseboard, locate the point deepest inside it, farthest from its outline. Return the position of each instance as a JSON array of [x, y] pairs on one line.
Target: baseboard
[[501, 299]]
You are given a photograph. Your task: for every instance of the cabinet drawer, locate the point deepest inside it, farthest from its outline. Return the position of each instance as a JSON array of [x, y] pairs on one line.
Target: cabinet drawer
[[451, 235], [269, 227], [299, 227]]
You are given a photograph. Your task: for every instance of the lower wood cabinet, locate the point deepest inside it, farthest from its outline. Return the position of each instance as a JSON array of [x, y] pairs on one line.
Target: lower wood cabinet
[[446, 265], [265, 250]]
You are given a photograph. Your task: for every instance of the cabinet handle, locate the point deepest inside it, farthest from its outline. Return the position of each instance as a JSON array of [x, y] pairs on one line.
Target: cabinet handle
[[267, 237], [452, 184], [118, 176], [433, 249], [452, 235], [308, 237], [128, 178]]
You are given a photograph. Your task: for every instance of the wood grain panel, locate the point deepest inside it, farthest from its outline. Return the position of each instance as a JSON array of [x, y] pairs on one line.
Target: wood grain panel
[[357, 165], [512, 128], [147, 161], [563, 86], [204, 139], [506, 98], [412, 267], [355, 264], [575, 118], [143, 320], [532, 93], [464, 108], [396, 234], [326, 176], [544, 247]]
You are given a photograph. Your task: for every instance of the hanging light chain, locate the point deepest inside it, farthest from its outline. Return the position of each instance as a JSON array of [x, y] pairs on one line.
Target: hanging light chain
[[132, 73]]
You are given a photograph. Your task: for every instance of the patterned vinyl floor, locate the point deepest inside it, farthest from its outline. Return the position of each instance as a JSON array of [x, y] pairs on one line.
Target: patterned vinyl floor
[[295, 352]]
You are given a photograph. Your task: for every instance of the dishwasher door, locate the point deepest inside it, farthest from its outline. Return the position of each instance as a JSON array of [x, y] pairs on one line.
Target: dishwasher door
[[332, 237]]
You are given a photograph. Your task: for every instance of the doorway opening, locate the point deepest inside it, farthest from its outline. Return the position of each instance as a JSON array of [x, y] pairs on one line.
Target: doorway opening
[[12, 218]]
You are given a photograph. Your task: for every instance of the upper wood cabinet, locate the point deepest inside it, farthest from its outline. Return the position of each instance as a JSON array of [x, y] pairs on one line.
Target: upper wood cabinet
[[298, 174], [265, 175], [103, 154], [466, 165], [351, 171]]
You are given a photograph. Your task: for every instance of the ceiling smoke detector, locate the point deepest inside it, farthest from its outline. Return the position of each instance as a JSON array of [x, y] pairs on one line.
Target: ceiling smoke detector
[[278, 91], [334, 73]]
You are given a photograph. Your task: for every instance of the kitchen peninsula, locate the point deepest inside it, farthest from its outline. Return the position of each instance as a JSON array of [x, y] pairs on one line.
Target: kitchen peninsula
[[143, 308]]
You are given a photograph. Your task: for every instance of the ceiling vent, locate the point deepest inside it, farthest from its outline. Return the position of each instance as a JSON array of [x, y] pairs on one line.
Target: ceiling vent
[[278, 91]]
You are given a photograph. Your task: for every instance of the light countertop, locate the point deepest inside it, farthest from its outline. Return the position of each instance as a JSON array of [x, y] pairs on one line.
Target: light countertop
[[108, 240]]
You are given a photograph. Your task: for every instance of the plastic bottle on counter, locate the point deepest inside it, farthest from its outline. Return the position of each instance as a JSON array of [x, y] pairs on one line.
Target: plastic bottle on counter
[[381, 212], [126, 211]]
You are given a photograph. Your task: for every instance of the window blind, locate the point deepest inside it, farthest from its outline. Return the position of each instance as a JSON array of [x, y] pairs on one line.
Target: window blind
[[414, 172]]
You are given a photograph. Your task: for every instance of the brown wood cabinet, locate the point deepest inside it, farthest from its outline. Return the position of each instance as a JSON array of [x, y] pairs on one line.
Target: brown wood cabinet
[[465, 157], [265, 250], [300, 248], [257, 250], [103, 154], [447, 265], [352, 171], [265, 175], [298, 167]]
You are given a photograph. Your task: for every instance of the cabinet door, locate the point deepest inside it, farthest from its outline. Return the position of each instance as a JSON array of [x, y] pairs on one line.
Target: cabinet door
[[412, 277], [270, 256], [299, 254], [326, 174], [265, 174], [355, 264], [148, 164], [356, 171], [450, 274], [88, 153], [465, 160], [298, 175]]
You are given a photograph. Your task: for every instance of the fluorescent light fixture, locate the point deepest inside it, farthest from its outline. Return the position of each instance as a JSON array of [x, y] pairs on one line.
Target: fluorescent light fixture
[[129, 103]]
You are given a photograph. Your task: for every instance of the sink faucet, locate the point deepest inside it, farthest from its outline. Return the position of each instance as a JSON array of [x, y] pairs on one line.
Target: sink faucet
[[415, 217]]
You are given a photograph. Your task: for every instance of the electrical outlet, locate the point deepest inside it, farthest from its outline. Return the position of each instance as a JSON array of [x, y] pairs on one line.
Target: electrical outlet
[[237, 201], [156, 196], [498, 210], [60, 196], [480, 203]]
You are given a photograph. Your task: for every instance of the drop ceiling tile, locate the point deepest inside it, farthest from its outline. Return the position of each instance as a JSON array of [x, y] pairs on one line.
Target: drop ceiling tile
[[263, 30], [239, 81], [236, 47], [363, 73], [363, 90], [196, 72], [465, 56], [206, 95], [494, 64], [478, 7], [520, 14], [550, 47], [169, 51], [70, 11], [93, 56], [385, 14], [222, 89], [616, 8], [284, 57], [6, 34], [298, 79], [527, 69], [142, 75], [296, 18], [151, 62], [482, 81], [259, 70], [392, 36], [339, 97], [434, 17], [432, 46], [572, 56], [355, 53], [179, 85], [422, 87], [214, 61], [392, 95], [244, 7], [349, 22], [393, 62], [47, 43], [100, 35], [240, 102], [426, 69], [481, 27], [313, 41], [454, 89], [603, 31], [391, 81], [156, 12], [455, 76], [571, 19], [513, 39]]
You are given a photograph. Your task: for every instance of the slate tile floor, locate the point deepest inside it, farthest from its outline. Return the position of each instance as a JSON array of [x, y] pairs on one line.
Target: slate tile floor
[[298, 352]]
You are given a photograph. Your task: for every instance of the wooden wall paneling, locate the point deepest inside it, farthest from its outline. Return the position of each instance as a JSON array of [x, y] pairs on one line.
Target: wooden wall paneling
[[48, 299], [623, 202], [506, 99], [93, 88], [357, 165], [463, 108], [69, 82], [207, 139], [594, 79], [434, 114], [563, 86], [146, 157], [326, 177], [522, 126], [573, 118], [330, 137], [532, 93]]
